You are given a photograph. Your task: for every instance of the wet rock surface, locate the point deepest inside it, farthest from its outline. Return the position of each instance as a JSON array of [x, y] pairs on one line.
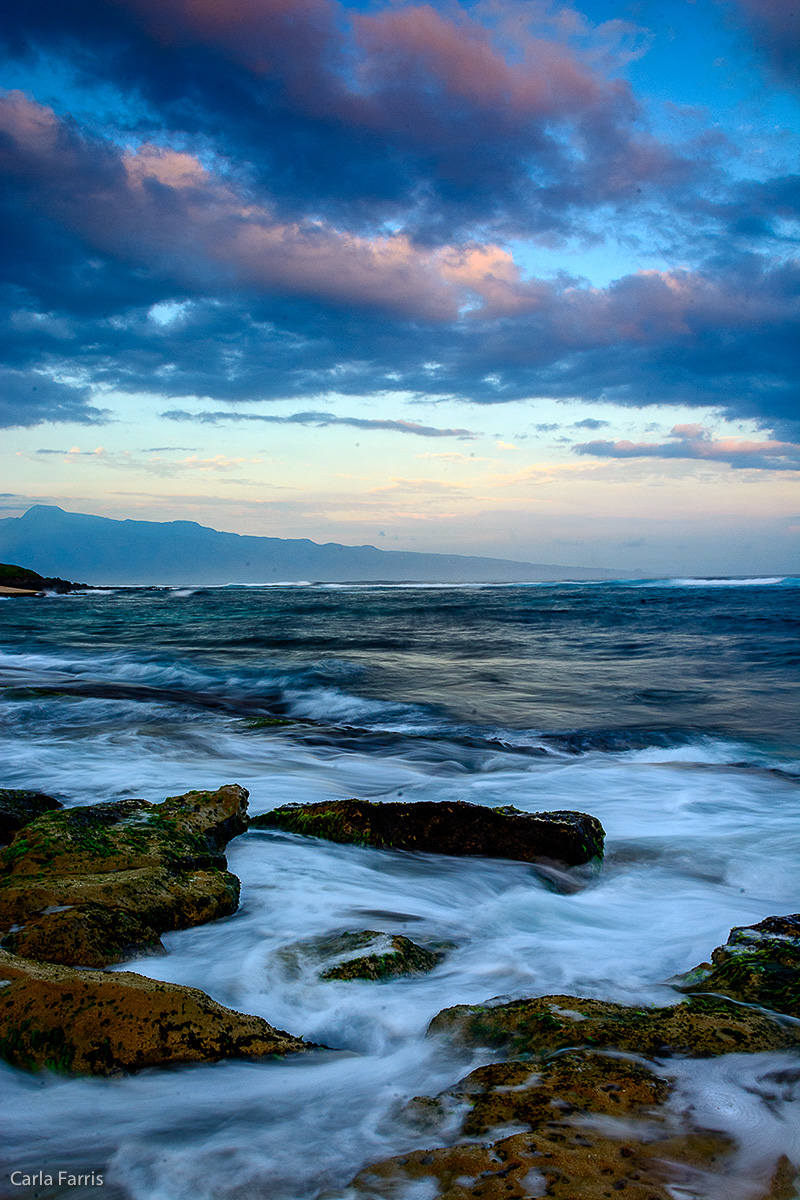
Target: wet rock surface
[[19, 807], [365, 954], [581, 1125], [446, 827], [579, 1113], [94, 885], [391, 955], [759, 964], [103, 1022], [697, 1027]]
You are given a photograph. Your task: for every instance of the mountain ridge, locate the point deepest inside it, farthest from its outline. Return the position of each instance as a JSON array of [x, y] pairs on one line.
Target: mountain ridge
[[130, 552]]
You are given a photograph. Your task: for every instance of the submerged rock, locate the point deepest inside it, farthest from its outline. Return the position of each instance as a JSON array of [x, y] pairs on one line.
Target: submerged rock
[[333, 956], [102, 1022], [759, 964], [579, 1115], [392, 955], [446, 827], [700, 1026], [94, 885], [19, 807], [580, 1124]]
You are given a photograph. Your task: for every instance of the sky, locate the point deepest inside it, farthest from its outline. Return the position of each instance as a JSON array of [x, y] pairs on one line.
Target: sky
[[508, 278]]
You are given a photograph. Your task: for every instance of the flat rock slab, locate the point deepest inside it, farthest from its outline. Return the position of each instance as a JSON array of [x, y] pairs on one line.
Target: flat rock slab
[[698, 1027], [103, 1022], [587, 1126], [446, 827], [94, 885], [759, 964]]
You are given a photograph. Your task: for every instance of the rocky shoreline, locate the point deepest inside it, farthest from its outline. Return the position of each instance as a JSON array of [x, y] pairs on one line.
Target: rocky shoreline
[[576, 1092], [22, 581]]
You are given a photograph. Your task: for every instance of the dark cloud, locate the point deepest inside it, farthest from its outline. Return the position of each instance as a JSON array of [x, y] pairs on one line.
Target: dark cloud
[[29, 398], [318, 419], [589, 423], [774, 26], [405, 112], [692, 441], [308, 207]]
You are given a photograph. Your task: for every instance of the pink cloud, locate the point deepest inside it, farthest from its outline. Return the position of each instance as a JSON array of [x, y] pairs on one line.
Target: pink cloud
[[696, 442]]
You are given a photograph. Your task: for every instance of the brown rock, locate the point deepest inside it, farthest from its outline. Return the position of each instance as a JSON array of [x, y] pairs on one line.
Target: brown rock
[[573, 1148], [101, 1022], [446, 827], [697, 1027], [90, 886]]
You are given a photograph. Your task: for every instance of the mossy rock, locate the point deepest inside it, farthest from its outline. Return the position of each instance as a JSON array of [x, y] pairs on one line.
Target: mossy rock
[[759, 964], [18, 807], [392, 956], [102, 1023], [446, 827], [698, 1027], [336, 956], [93, 885], [568, 1148]]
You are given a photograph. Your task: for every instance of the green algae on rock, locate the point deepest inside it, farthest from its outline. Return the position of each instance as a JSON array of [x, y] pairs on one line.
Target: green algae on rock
[[392, 956], [446, 827], [759, 964], [18, 807], [93, 885], [104, 1022], [697, 1027], [335, 956]]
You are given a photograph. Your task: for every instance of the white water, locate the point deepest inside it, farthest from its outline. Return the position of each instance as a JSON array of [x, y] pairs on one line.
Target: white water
[[694, 847]]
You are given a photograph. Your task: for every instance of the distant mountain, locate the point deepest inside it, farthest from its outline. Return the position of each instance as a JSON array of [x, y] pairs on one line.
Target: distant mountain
[[104, 551]]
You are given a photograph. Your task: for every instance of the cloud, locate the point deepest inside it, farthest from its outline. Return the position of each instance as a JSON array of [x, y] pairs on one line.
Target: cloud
[[439, 117], [773, 27], [318, 419], [29, 397], [693, 441], [589, 423], [154, 465]]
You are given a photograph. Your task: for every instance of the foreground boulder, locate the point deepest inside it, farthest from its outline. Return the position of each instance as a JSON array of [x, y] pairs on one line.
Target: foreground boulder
[[94, 885], [759, 964], [586, 1126], [100, 1022], [446, 827], [576, 1115], [19, 807]]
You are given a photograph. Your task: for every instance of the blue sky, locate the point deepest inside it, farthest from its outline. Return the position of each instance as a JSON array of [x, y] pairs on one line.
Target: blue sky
[[503, 278]]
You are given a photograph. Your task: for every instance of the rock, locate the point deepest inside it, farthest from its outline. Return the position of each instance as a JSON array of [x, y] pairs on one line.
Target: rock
[[697, 1027], [392, 955], [337, 954], [571, 1145], [19, 807], [507, 1093], [446, 827], [93, 885], [759, 964], [23, 581], [102, 1022]]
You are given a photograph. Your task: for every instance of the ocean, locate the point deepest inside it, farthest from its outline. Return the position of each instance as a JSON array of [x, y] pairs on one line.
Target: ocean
[[668, 709]]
